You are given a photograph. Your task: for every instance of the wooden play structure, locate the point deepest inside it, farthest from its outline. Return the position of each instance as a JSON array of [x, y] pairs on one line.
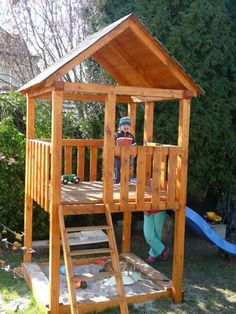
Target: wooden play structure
[[145, 74]]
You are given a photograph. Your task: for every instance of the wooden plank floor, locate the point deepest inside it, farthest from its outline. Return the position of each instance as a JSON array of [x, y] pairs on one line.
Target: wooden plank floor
[[92, 192]]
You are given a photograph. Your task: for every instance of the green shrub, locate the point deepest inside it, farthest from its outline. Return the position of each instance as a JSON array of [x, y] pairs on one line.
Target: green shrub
[[11, 175]]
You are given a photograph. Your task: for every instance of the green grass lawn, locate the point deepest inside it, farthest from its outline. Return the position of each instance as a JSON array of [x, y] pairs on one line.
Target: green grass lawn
[[209, 281], [13, 289]]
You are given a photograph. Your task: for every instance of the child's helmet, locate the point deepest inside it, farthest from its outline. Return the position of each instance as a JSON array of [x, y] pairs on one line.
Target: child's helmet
[[125, 121]]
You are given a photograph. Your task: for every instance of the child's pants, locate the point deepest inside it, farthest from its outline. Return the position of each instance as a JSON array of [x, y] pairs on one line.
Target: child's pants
[[152, 228], [117, 169]]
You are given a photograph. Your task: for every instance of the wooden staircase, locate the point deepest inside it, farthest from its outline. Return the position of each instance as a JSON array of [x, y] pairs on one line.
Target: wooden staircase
[[112, 250]]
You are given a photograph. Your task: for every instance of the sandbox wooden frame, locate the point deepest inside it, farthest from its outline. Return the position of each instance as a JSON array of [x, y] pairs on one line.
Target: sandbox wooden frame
[[136, 83]]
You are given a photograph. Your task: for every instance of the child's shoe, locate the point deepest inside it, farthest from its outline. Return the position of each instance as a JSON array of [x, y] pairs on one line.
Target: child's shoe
[[151, 259], [164, 254]]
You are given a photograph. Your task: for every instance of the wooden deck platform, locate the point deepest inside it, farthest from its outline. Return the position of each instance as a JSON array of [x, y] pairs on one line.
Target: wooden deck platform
[[151, 286], [92, 192]]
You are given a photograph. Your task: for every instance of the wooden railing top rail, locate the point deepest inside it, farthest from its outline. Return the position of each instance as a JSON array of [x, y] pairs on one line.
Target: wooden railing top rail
[[151, 144], [45, 142], [149, 149], [73, 142], [82, 142]]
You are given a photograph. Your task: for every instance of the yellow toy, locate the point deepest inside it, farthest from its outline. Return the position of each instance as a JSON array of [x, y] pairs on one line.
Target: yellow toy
[[213, 217]]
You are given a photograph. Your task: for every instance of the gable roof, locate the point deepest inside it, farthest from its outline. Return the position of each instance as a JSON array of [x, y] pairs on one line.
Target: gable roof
[[129, 53]]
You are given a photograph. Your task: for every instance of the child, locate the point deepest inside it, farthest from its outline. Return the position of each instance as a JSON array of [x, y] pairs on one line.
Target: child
[[125, 138], [152, 227]]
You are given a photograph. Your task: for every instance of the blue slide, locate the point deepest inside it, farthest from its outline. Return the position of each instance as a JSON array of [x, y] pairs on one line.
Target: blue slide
[[199, 226]]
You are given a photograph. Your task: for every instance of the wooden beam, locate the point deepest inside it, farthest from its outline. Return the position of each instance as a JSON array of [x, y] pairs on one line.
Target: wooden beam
[[125, 90], [147, 270], [41, 92], [28, 213], [165, 58], [85, 209], [84, 97], [56, 161], [109, 146], [73, 96], [88, 52], [92, 97], [140, 99], [179, 231], [148, 136]]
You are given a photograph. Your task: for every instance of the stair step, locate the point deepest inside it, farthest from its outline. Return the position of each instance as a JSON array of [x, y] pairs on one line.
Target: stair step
[[91, 251], [98, 276], [87, 228]]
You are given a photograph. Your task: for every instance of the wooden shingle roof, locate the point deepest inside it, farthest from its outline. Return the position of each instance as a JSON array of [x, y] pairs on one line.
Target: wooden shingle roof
[[128, 52]]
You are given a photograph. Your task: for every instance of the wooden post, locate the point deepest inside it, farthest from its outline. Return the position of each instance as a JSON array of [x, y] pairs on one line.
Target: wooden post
[[109, 147], [30, 117], [56, 161], [127, 215], [148, 136], [178, 254]]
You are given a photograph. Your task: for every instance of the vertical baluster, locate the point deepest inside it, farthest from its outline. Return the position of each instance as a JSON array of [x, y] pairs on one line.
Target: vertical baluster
[[124, 177], [68, 159], [124, 198], [163, 168], [80, 162], [156, 177], [178, 177], [93, 163], [172, 175], [47, 169], [35, 171], [38, 172], [32, 168], [42, 196], [141, 174], [29, 183]]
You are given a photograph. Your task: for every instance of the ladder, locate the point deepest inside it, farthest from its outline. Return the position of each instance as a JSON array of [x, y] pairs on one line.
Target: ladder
[[112, 250]]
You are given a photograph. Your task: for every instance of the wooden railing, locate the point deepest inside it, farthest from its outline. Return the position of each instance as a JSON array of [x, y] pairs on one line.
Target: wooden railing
[[39, 171], [39, 165], [77, 164], [163, 174]]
